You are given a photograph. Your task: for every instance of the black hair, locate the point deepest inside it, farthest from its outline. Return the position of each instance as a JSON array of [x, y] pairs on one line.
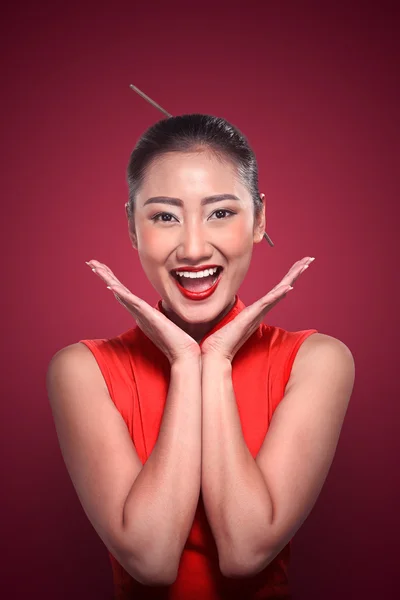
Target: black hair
[[188, 133]]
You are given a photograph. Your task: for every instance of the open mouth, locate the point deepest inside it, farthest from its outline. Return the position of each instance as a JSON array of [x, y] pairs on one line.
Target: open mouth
[[197, 284]]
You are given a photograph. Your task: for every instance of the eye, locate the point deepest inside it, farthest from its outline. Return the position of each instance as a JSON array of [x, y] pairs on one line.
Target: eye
[[159, 216], [223, 210], [156, 217]]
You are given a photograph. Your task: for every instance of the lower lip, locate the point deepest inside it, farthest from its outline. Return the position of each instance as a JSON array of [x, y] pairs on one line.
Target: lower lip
[[198, 295]]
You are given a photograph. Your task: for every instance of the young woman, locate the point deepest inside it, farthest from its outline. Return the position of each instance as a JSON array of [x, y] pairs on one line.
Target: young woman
[[199, 440]]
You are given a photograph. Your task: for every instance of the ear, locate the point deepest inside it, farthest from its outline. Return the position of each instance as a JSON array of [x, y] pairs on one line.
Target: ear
[[131, 229], [259, 225]]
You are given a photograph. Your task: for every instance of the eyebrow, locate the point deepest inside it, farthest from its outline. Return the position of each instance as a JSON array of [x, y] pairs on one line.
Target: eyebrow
[[179, 202]]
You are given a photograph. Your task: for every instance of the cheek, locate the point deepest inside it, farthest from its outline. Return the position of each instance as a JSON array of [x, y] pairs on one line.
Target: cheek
[[150, 245], [238, 239], [150, 253]]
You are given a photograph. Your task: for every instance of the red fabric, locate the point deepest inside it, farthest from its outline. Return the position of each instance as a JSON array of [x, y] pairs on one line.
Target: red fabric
[[137, 376]]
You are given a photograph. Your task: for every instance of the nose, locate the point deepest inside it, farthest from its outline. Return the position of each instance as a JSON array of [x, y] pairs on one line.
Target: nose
[[194, 246]]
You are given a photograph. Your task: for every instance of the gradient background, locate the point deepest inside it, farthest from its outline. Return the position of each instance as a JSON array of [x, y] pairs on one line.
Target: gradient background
[[314, 86]]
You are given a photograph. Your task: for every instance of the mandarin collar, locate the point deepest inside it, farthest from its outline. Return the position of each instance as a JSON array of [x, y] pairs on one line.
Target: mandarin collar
[[237, 307]]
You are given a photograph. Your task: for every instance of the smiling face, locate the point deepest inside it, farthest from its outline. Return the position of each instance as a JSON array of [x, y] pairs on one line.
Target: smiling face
[[178, 228]]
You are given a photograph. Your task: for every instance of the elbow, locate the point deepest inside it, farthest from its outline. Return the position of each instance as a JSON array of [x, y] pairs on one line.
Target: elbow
[[238, 570], [244, 564], [151, 562], [154, 577], [151, 571]]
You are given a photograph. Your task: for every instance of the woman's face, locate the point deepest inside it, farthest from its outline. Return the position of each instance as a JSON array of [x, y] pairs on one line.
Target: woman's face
[[190, 232]]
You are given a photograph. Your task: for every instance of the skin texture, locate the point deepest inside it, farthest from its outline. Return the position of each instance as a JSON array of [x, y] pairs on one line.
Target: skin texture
[[195, 235], [253, 506]]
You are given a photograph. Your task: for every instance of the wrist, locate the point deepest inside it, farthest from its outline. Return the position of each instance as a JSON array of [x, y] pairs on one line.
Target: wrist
[[185, 363], [216, 362]]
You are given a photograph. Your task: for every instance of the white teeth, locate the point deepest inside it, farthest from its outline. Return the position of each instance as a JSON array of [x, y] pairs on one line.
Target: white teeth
[[198, 274]]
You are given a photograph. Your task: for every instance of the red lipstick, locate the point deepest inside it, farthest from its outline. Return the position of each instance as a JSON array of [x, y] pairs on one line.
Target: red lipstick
[[195, 269], [198, 295]]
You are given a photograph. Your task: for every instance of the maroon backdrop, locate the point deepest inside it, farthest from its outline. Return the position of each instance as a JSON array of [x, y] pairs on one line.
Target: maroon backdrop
[[315, 90]]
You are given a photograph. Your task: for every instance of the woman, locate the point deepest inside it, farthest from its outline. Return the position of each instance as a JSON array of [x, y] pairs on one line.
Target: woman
[[163, 428]]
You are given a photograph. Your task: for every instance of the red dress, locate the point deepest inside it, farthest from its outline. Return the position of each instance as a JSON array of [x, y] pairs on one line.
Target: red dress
[[137, 375]]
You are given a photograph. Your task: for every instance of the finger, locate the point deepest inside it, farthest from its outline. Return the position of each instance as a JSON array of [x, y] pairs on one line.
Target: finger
[[105, 272], [294, 272], [106, 269], [288, 277], [275, 294], [99, 267], [108, 276], [127, 297]]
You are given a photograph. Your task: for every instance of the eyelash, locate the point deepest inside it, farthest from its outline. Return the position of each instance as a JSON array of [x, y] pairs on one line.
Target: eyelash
[[156, 220]]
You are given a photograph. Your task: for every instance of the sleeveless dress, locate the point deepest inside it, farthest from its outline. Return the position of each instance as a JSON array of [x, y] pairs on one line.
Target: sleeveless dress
[[137, 375]]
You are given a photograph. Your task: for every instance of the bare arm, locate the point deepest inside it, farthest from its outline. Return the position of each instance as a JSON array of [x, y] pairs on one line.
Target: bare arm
[[143, 513], [256, 506]]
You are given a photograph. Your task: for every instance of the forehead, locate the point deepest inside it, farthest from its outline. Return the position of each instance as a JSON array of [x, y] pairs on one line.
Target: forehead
[[191, 173]]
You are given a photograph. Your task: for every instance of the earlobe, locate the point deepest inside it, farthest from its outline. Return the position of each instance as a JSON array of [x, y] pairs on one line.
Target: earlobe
[[133, 239], [260, 223], [258, 233], [258, 236], [132, 235]]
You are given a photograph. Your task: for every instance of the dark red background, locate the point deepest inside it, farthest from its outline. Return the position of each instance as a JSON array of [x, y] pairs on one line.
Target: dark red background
[[314, 86]]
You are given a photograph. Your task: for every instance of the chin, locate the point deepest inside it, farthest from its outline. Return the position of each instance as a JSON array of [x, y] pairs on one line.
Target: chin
[[200, 311]]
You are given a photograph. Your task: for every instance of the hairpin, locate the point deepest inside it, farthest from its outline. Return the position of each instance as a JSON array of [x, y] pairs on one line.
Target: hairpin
[[135, 89], [150, 101]]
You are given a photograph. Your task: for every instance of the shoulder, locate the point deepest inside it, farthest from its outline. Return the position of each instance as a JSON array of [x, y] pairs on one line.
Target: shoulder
[[72, 370], [72, 352], [323, 345], [77, 356], [322, 357], [89, 357], [92, 356], [107, 350]]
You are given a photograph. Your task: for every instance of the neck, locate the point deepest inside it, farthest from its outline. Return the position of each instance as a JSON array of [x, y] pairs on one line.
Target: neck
[[196, 330]]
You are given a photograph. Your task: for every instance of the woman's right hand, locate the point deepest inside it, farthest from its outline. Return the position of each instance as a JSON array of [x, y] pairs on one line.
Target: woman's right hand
[[175, 343]]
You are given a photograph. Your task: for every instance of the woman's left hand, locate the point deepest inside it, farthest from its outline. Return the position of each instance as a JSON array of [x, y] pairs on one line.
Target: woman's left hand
[[225, 342]]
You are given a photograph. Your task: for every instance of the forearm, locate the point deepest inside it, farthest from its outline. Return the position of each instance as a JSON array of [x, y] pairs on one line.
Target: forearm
[[160, 507], [235, 495]]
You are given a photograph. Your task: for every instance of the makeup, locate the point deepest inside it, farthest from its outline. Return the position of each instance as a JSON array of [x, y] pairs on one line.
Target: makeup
[[191, 295], [167, 114]]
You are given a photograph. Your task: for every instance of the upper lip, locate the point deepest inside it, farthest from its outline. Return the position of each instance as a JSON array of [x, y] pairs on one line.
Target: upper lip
[[195, 269]]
